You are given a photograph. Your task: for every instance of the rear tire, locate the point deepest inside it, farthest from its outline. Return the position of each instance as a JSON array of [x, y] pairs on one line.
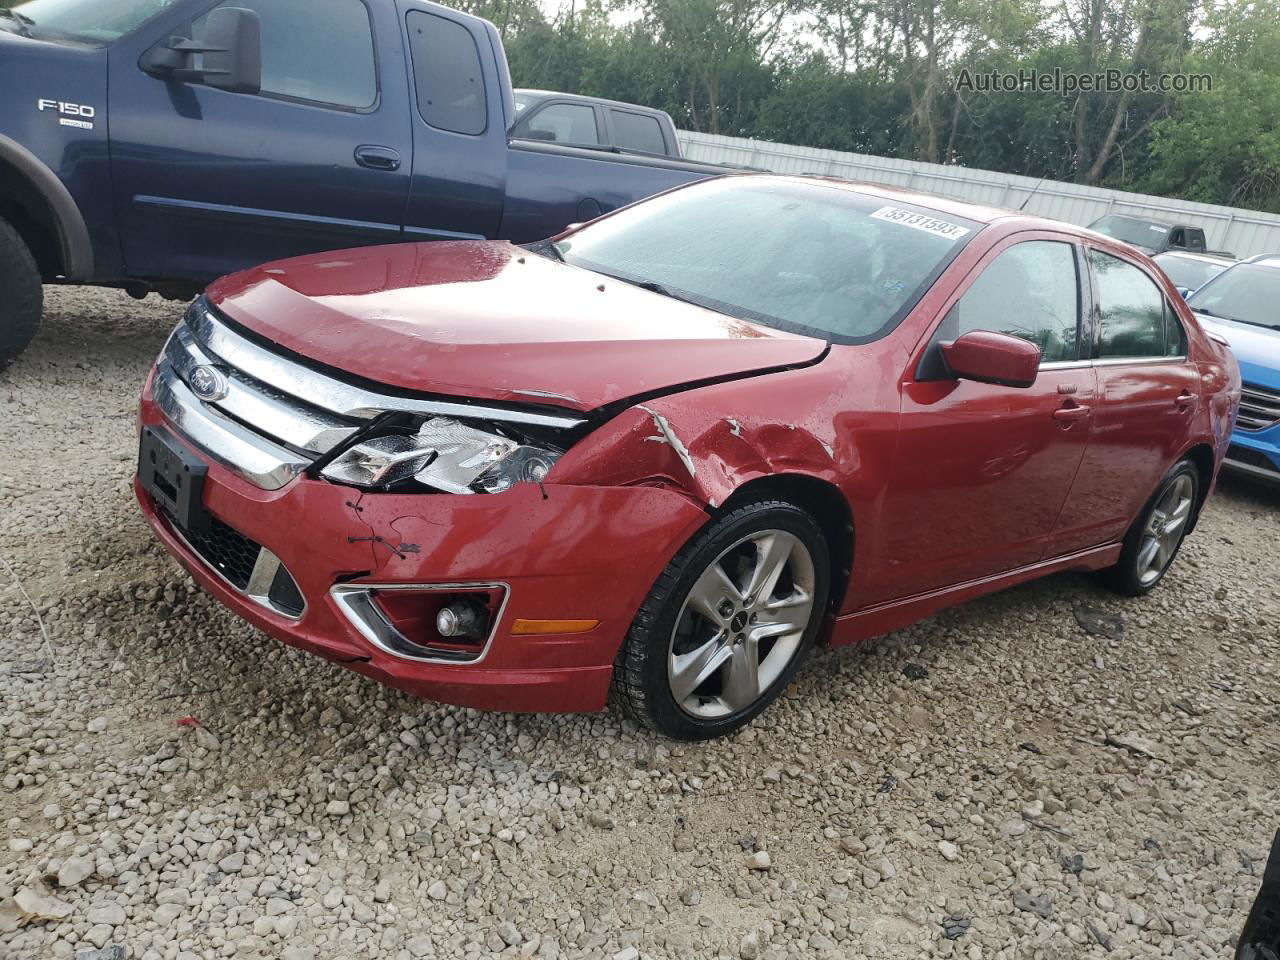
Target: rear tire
[[727, 624], [1155, 537], [23, 296]]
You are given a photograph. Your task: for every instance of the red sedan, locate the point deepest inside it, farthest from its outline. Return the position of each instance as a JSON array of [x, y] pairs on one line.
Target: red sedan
[[671, 450]]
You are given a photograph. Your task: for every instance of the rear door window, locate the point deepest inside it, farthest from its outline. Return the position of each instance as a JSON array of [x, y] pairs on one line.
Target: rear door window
[[565, 123], [320, 51], [447, 74], [637, 131], [1131, 310]]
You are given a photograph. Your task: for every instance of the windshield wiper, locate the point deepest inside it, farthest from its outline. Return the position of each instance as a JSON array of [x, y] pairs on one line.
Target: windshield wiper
[[653, 286], [1210, 313], [21, 19]]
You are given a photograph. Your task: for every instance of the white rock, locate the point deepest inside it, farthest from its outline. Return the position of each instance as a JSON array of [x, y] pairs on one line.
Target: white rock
[[74, 871], [108, 913]]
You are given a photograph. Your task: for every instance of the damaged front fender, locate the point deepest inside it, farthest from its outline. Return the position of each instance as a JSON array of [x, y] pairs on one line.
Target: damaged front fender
[[706, 443]]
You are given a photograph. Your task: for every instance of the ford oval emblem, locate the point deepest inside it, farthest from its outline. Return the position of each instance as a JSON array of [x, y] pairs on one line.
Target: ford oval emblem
[[208, 383]]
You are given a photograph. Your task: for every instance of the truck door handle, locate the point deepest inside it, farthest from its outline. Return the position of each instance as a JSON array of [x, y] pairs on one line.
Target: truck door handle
[[1071, 414], [377, 158]]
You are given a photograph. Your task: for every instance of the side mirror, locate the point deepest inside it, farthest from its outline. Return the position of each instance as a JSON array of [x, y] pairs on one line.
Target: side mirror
[[231, 52], [989, 357]]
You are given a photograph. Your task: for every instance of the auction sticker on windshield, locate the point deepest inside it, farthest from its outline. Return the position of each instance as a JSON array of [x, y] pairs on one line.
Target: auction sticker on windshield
[[920, 221]]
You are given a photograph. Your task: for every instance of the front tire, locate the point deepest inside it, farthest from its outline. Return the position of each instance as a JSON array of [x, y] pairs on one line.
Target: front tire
[[22, 301], [1154, 539], [727, 624]]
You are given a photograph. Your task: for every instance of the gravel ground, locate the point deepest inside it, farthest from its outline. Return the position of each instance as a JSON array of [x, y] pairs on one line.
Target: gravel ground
[[1049, 772]]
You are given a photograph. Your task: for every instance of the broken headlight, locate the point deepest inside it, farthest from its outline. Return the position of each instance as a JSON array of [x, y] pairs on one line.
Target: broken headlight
[[444, 454]]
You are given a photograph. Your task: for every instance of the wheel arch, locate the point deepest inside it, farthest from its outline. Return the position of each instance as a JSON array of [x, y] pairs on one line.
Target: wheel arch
[[829, 508], [1202, 456], [39, 207]]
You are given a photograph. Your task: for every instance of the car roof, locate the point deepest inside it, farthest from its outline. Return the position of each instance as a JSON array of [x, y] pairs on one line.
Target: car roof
[[1202, 257], [583, 98], [1135, 218]]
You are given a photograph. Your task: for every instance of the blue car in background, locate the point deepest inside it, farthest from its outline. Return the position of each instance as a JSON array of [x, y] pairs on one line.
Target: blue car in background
[[1242, 304]]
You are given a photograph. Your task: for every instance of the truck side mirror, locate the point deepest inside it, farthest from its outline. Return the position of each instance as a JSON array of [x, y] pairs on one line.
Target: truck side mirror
[[231, 52]]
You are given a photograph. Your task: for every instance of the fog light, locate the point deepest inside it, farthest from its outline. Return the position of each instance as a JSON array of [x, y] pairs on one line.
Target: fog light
[[462, 620]]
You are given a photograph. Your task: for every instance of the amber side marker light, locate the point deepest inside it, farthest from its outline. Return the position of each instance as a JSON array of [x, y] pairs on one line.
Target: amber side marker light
[[530, 628]]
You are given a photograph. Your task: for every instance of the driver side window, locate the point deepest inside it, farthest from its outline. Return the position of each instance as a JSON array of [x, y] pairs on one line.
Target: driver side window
[[1030, 291], [318, 51]]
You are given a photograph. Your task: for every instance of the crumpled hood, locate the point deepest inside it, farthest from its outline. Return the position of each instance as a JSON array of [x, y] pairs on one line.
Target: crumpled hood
[[1257, 349], [488, 320]]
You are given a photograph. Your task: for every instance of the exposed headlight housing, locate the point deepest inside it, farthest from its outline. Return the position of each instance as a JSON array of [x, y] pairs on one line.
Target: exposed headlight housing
[[444, 454]]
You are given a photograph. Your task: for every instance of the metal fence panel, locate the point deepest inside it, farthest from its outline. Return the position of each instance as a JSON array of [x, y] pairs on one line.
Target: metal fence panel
[[1243, 232]]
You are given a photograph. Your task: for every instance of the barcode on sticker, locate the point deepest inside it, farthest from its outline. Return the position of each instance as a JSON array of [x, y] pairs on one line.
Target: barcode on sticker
[[921, 221]]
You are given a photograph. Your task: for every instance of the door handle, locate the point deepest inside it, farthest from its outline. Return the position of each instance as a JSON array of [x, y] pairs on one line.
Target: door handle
[[378, 158], [1185, 399], [1071, 414]]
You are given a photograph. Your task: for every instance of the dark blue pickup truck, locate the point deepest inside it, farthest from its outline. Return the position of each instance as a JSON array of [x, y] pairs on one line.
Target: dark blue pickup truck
[[157, 144]]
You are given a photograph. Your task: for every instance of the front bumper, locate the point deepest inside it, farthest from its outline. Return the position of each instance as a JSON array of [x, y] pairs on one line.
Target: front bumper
[[1255, 453], [582, 552]]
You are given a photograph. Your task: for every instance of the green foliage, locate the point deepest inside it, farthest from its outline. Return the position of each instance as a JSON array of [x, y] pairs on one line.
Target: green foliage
[[878, 76], [1223, 146]]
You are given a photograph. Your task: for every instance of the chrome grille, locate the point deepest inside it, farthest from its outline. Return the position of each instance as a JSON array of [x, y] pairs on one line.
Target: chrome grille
[[275, 415], [1259, 408]]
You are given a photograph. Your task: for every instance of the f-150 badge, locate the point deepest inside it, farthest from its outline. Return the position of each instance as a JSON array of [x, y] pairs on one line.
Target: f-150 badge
[[70, 114]]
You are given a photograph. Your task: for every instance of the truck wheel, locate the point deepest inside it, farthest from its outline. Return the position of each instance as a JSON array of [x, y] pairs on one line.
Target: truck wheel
[[23, 302]]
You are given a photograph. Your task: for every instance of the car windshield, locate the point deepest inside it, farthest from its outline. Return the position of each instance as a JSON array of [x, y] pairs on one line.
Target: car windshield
[[1248, 292], [1188, 273], [807, 257], [92, 21], [1143, 234]]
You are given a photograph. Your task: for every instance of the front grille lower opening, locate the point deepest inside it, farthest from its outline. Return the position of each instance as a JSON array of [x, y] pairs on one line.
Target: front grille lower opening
[[227, 550], [1252, 458]]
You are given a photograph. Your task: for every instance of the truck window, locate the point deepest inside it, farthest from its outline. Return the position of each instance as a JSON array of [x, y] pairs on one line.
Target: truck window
[[637, 131], [446, 73], [320, 51], [565, 123]]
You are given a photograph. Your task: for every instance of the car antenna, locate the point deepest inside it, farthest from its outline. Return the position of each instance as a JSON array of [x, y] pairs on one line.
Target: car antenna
[[1031, 194]]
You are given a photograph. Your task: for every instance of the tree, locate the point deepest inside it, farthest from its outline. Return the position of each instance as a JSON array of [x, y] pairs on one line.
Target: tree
[[722, 49], [1136, 35], [1223, 145]]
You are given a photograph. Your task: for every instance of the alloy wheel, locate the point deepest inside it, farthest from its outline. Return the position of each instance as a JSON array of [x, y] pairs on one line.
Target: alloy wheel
[[1164, 529], [741, 624]]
